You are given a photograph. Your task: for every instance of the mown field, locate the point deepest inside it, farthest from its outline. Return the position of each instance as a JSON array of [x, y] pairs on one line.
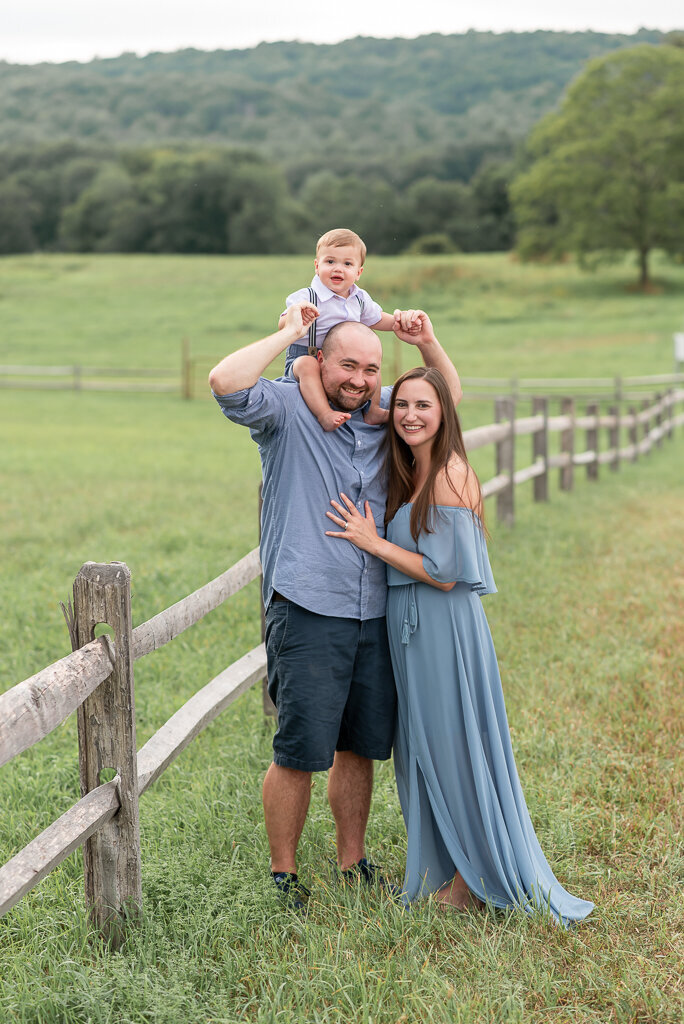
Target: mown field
[[587, 624], [499, 318]]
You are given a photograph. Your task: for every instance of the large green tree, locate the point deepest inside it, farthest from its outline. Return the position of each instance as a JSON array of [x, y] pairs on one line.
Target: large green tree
[[608, 166]]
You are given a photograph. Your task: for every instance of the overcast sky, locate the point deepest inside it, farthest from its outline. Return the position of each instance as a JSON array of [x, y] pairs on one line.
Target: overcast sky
[[60, 30]]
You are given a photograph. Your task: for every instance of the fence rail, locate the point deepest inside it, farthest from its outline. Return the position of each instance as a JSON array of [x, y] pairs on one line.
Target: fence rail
[[618, 389], [96, 679], [645, 427], [33, 708], [184, 381], [89, 378]]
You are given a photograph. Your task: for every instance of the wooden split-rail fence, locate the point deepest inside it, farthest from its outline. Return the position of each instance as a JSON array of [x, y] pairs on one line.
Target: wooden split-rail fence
[[645, 424], [191, 382], [76, 377], [96, 679]]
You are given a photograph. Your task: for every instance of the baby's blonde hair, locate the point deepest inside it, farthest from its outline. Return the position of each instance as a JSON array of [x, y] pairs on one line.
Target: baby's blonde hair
[[342, 236]]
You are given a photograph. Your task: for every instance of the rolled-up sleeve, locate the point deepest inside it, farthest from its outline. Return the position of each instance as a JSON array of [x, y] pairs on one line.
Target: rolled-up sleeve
[[263, 408]]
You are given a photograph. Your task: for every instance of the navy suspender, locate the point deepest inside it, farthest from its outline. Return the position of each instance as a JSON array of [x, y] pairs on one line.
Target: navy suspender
[[313, 298], [312, 328]]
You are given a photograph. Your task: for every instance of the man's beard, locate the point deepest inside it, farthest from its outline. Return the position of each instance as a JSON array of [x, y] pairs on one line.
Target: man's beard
[[348, 403]]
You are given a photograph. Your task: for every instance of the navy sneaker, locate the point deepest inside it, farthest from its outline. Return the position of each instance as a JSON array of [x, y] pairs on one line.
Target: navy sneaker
[[371, 875], [292, 892]]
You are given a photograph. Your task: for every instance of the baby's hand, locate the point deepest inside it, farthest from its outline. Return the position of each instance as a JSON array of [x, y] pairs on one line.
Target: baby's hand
[[412, 326], [305, 312], [407, 320], [332, 419], [309, 314]]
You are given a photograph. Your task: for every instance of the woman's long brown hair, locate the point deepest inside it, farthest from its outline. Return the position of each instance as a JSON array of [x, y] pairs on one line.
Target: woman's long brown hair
[[401, 467]]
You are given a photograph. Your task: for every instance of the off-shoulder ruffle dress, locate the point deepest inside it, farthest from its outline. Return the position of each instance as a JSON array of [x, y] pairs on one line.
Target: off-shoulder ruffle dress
[[458, 785]]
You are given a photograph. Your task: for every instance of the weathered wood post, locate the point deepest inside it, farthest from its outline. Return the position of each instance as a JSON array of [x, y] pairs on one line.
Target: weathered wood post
[[540, 449], [567, 444], [670, 413], [614, 437], [593, 441], [106, 740], [186, 369], [396, 358], [504, 409], [618, 389], [646, 425], [659, 417], [633, 432], [266, 702]]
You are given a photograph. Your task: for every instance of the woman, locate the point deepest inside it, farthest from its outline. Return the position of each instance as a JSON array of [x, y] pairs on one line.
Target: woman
[[470, 837]]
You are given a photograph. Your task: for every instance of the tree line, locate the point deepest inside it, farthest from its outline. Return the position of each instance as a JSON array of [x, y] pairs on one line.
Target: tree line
[[600, 174], [73, 197], [409, 141]]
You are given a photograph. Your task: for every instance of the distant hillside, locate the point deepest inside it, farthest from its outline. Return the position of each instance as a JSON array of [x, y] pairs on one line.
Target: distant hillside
[[412, 143], [441, 102]]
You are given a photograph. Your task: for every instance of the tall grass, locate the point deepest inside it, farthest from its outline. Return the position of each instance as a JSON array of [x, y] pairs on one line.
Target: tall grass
[[587, 624]]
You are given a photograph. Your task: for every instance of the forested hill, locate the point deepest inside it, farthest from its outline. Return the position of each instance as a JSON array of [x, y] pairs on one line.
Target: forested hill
[[445, 99], [412, 143]]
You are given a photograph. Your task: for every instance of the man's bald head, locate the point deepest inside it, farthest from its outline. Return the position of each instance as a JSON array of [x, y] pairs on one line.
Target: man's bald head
[[349, 331]]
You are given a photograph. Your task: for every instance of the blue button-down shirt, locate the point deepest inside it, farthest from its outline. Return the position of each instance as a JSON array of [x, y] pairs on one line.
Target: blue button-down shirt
[[303, 468]]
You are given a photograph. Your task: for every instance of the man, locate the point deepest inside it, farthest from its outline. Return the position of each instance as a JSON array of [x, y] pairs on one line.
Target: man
[[329, 668]]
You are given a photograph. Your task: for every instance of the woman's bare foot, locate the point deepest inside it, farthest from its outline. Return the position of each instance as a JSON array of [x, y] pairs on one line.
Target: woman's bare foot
[[376, 415], [332, 419], [457, 894]]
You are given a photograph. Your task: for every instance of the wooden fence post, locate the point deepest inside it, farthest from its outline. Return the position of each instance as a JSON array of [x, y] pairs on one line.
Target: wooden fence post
[[396, 358], [540, 449], [504, 409], [186, 369], [593, 441], [633, 433], [567, 444], [614, 437], [106, 740], [645, 406], [268, 706], [659, 417], [670, 413]]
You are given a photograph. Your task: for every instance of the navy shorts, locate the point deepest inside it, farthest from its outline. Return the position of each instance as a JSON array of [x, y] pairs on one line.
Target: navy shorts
[[332, 683], [294, 352]]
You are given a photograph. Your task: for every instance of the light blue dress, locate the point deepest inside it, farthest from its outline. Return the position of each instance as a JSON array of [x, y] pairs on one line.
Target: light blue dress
[[458, 785]]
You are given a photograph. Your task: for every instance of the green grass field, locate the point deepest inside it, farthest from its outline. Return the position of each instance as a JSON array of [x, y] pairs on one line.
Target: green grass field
[[587, 625], [496, 316]]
